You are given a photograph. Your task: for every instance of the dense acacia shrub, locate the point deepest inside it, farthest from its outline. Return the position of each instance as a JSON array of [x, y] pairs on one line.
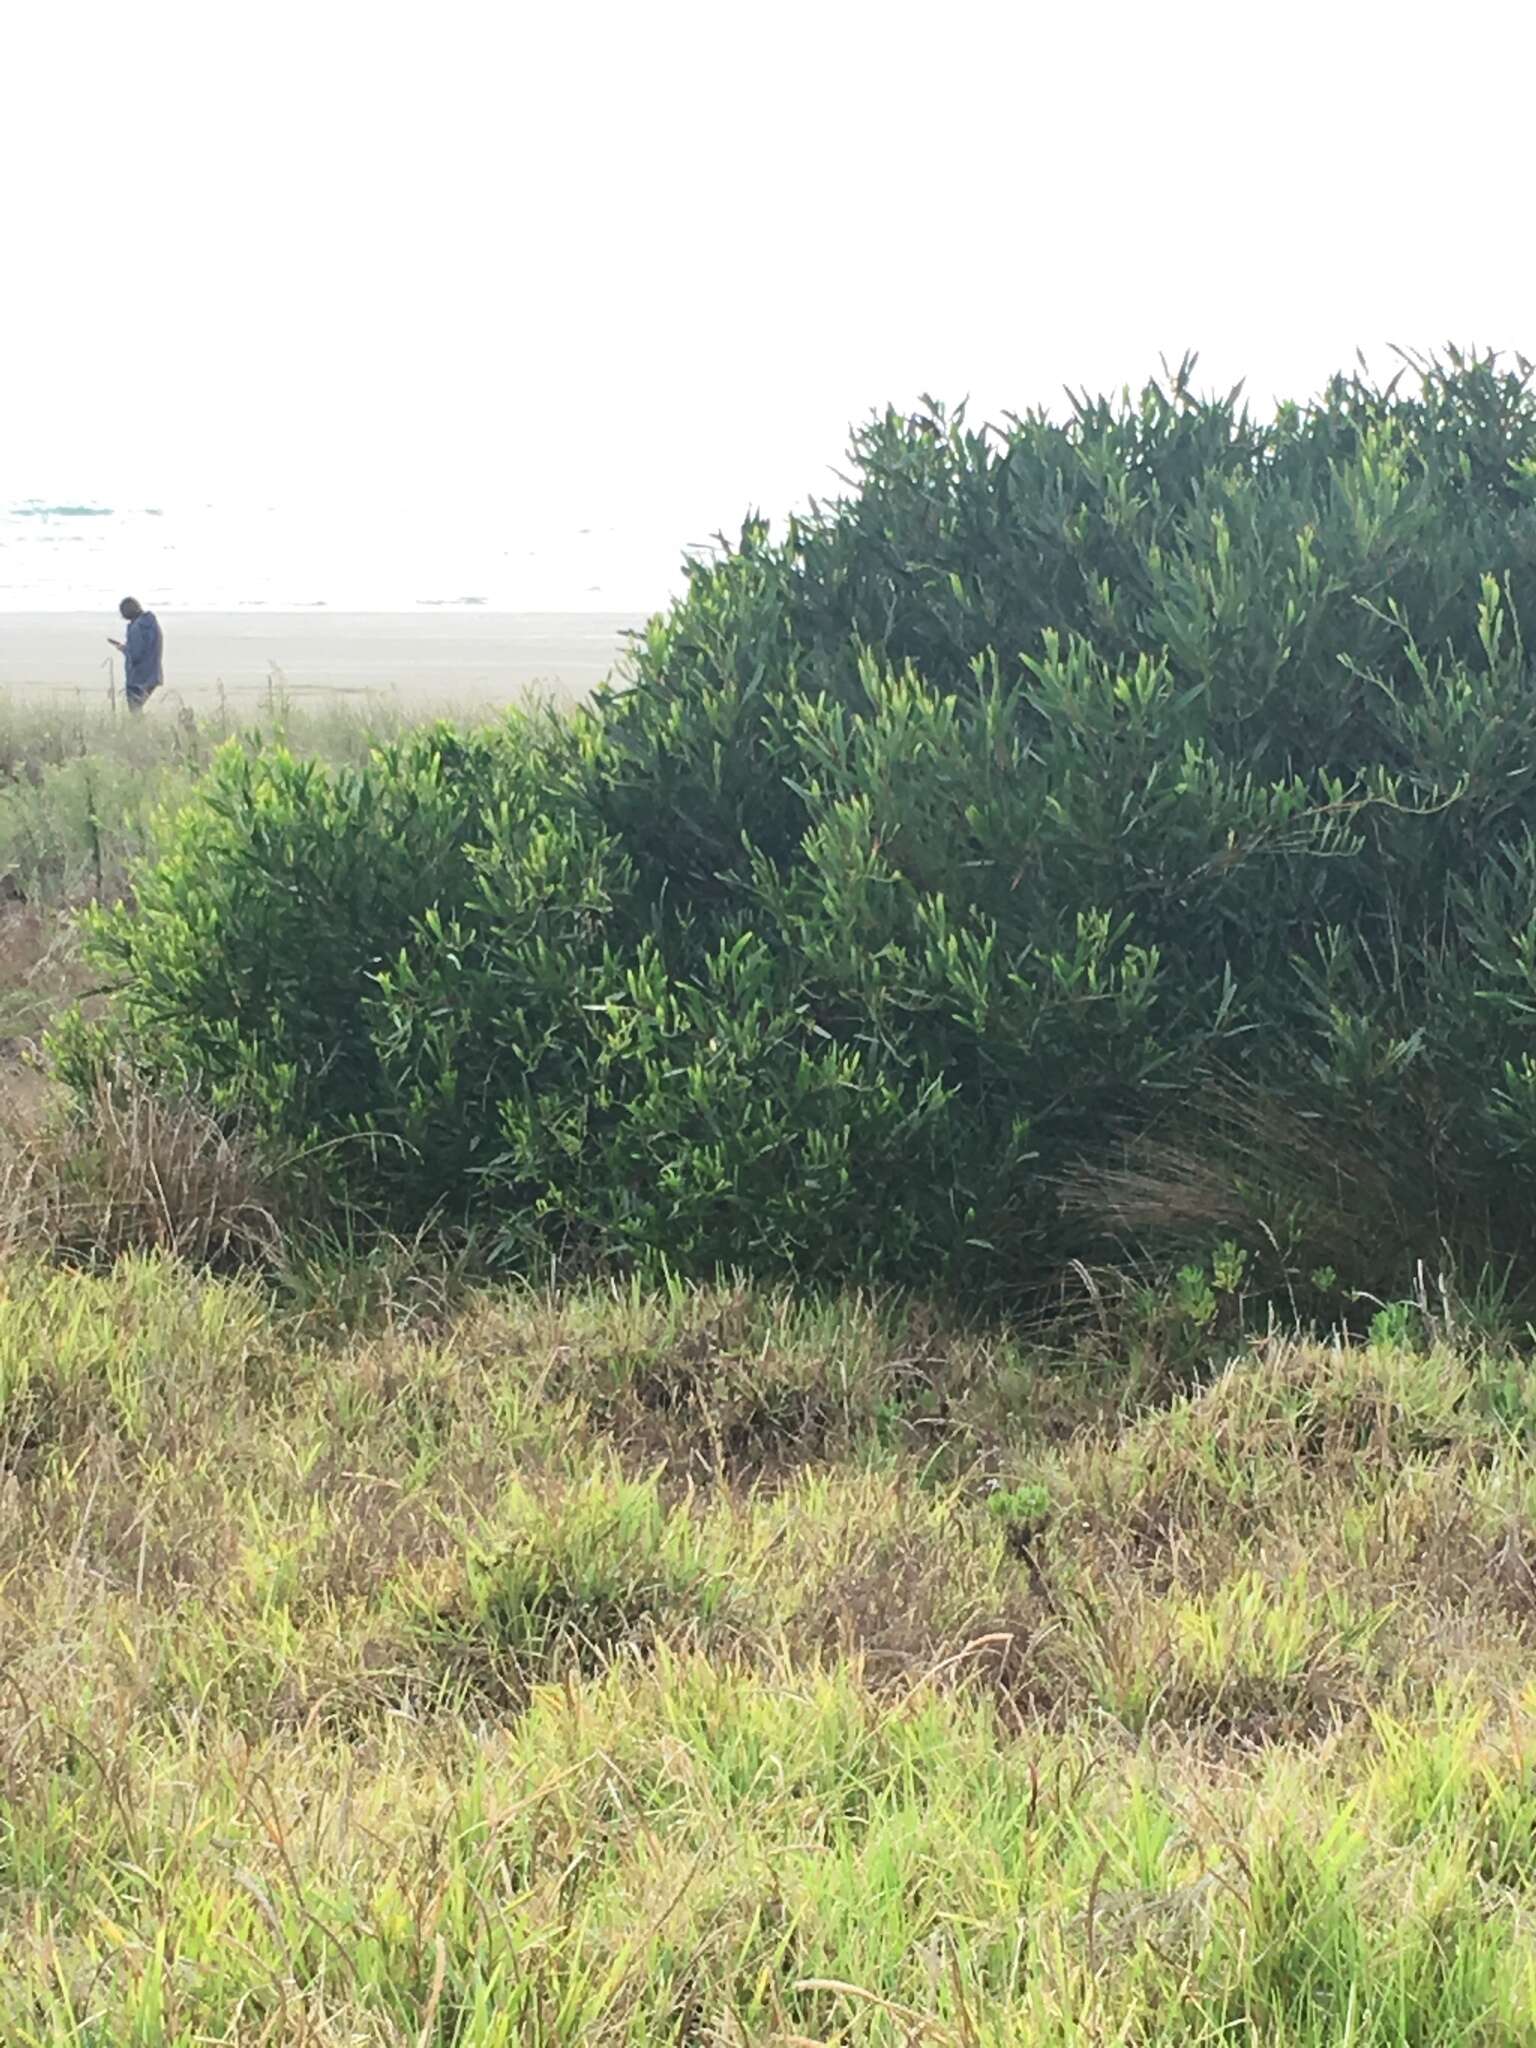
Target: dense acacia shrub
[[1111, 825]]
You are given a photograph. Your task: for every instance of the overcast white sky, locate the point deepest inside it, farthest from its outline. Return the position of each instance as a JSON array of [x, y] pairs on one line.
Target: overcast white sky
[[657, 255]]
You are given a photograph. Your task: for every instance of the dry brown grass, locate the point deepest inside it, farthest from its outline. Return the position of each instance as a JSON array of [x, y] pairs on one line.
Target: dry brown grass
[[1334, 1215], [41, 974], [128, 1171]]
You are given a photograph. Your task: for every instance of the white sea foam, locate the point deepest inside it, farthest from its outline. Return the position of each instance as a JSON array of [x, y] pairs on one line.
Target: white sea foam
[[76, 554]]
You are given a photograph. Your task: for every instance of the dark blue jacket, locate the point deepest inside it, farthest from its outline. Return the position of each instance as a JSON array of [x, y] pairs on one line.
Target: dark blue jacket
[[142, 651]]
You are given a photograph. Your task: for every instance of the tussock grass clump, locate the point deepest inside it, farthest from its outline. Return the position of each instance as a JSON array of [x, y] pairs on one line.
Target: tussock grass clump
[[387, 1685], [127, 1170], [573, 1579]]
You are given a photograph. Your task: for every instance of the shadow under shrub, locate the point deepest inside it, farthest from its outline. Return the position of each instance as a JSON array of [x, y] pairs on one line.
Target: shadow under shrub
[[936, 851]]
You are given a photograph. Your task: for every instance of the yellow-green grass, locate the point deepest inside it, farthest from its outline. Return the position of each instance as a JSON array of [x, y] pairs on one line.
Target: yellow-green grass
[[716, 1668]]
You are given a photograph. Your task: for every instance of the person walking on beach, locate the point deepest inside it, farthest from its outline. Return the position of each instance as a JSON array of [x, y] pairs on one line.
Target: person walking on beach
[[141, 652]]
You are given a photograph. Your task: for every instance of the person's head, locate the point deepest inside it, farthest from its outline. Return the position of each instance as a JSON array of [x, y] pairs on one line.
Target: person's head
[[130, 608]]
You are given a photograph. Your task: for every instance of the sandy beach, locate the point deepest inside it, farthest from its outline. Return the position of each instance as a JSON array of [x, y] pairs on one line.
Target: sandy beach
[[460, 657]]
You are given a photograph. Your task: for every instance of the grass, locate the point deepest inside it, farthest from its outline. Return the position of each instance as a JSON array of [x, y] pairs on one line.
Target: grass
[[390, 1660], [616, 1668], [79, 788]]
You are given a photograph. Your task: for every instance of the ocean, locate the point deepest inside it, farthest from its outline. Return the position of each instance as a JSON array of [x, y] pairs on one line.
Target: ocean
[[81, 555]]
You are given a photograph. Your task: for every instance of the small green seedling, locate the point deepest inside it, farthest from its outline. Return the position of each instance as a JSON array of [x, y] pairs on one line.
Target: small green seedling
[[1022, 1512]]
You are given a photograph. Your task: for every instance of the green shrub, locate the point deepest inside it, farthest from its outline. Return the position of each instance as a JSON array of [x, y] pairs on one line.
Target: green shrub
[[1142, 805], [253, 964]]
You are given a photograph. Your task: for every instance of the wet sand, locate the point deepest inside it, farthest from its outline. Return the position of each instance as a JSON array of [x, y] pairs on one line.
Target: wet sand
[[461, 657]]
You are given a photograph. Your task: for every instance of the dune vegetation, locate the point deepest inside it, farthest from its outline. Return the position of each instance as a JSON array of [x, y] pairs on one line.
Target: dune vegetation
[[839, 1352]]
